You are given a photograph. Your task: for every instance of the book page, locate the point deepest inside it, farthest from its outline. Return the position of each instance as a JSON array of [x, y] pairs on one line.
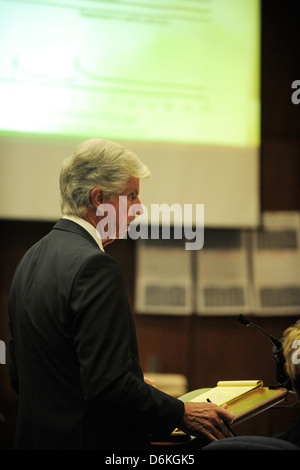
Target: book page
[[227, 391]]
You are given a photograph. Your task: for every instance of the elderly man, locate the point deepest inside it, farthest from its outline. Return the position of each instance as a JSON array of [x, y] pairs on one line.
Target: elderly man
[[74, 355]]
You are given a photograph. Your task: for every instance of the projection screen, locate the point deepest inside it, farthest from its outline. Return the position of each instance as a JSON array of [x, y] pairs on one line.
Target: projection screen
[[177, 81]]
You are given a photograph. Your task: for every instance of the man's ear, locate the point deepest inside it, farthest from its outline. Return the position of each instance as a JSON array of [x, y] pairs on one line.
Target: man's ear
[[97, 197]]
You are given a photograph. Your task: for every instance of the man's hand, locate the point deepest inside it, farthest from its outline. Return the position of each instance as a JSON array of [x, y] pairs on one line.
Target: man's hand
[[206, 421]]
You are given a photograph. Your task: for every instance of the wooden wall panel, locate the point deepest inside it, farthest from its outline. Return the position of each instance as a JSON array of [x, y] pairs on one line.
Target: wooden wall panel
[[204, 349]]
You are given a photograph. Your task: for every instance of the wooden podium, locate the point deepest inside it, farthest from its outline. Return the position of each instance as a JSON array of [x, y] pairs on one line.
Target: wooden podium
[[243, 408]]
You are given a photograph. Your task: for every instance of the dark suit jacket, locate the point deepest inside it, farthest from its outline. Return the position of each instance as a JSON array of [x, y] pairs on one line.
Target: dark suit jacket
[[73, 351]]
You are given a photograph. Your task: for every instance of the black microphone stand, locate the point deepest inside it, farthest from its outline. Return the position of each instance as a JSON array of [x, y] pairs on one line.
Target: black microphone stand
[[277, 354]]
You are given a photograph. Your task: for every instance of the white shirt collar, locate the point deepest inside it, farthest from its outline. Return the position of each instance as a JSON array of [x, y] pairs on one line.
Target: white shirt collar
[[88, 227]]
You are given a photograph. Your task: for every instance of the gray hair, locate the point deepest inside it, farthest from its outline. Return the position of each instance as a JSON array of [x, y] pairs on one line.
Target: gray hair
[[96, 163]]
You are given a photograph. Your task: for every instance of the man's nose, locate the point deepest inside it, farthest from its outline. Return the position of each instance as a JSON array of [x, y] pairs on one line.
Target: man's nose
[[136, 209], [140, 210]]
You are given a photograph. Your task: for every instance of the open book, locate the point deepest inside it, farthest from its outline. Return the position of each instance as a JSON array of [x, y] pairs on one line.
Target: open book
[[245, 398], [228, 391]]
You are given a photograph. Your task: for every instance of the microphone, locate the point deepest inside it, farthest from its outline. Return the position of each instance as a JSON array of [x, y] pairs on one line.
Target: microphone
[[277, 352], [276, 342]]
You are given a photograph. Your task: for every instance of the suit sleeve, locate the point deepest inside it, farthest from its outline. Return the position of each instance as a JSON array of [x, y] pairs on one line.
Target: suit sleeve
[[104, 338]]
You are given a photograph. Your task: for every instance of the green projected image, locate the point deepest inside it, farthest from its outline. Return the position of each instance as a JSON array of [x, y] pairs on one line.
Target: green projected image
[[171, 70]]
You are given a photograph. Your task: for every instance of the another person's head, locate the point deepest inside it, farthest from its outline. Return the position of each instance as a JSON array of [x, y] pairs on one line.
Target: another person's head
[[98, 172], [291, 350]]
